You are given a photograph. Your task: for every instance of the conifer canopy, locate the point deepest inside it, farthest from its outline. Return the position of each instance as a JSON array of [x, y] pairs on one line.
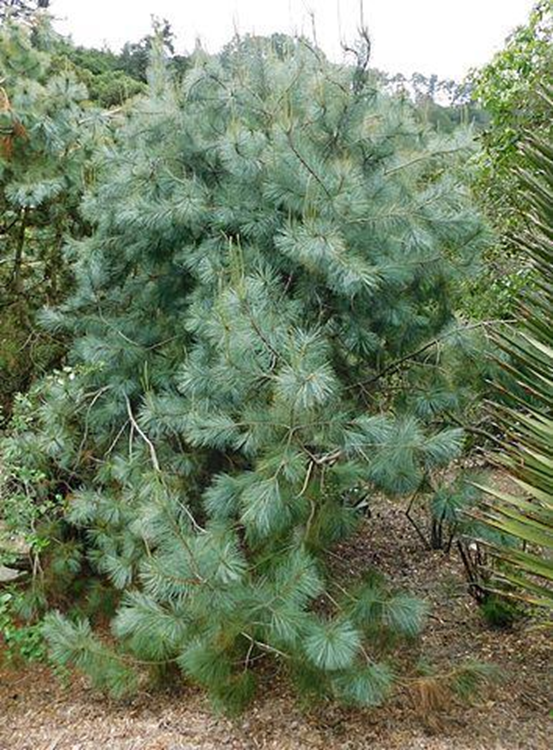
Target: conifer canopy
[[263, 328]]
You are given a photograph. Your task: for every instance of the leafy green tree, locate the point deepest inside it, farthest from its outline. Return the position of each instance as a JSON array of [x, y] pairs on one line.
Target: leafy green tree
[[508, 88], [15, 9], [134, 57], [262, 323], [47, 133], [443, 103], [112, 78], [108, 85]]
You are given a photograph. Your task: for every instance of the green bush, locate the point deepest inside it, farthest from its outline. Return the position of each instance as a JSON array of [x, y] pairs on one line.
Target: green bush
[[48, 134]]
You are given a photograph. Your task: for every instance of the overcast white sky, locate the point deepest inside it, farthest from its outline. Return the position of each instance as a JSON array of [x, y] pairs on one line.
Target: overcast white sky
[[446, 37]]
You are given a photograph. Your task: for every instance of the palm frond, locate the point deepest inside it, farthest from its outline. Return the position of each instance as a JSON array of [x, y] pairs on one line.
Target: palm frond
[[527, 568]]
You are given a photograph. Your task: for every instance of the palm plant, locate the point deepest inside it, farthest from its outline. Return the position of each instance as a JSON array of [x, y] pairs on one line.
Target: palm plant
[[525, 519]]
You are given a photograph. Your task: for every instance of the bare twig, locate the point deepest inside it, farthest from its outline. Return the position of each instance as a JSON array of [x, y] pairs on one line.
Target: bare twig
[[143, 435]]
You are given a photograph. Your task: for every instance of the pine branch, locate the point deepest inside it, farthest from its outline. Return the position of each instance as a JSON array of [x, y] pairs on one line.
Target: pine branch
[[307, 166], [153, 454], [424, 157], [397, 365], [475, 430]]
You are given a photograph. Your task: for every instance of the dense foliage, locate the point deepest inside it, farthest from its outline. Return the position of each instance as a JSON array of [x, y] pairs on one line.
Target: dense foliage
[[509, 90], [528, 447], [48, 134], [107, 83], [263, 329], [50, 128], [112, 78], [17, 9], [252, 278]]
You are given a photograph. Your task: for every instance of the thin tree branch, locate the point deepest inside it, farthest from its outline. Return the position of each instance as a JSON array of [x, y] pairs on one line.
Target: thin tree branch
[[395, 366], [143, 435]]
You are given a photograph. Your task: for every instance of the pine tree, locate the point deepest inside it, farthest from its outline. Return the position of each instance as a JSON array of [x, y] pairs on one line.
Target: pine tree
[[47, 136], [262, 325]]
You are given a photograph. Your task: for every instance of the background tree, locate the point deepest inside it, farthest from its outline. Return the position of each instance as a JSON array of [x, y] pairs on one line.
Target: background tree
[[101, 71], [15, 9], [509, 89], [134, 57], [444, 103], [47, 136], [112, 78]]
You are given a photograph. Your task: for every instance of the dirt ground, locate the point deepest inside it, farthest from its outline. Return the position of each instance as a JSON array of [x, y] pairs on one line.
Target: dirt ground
[[37, 712]]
